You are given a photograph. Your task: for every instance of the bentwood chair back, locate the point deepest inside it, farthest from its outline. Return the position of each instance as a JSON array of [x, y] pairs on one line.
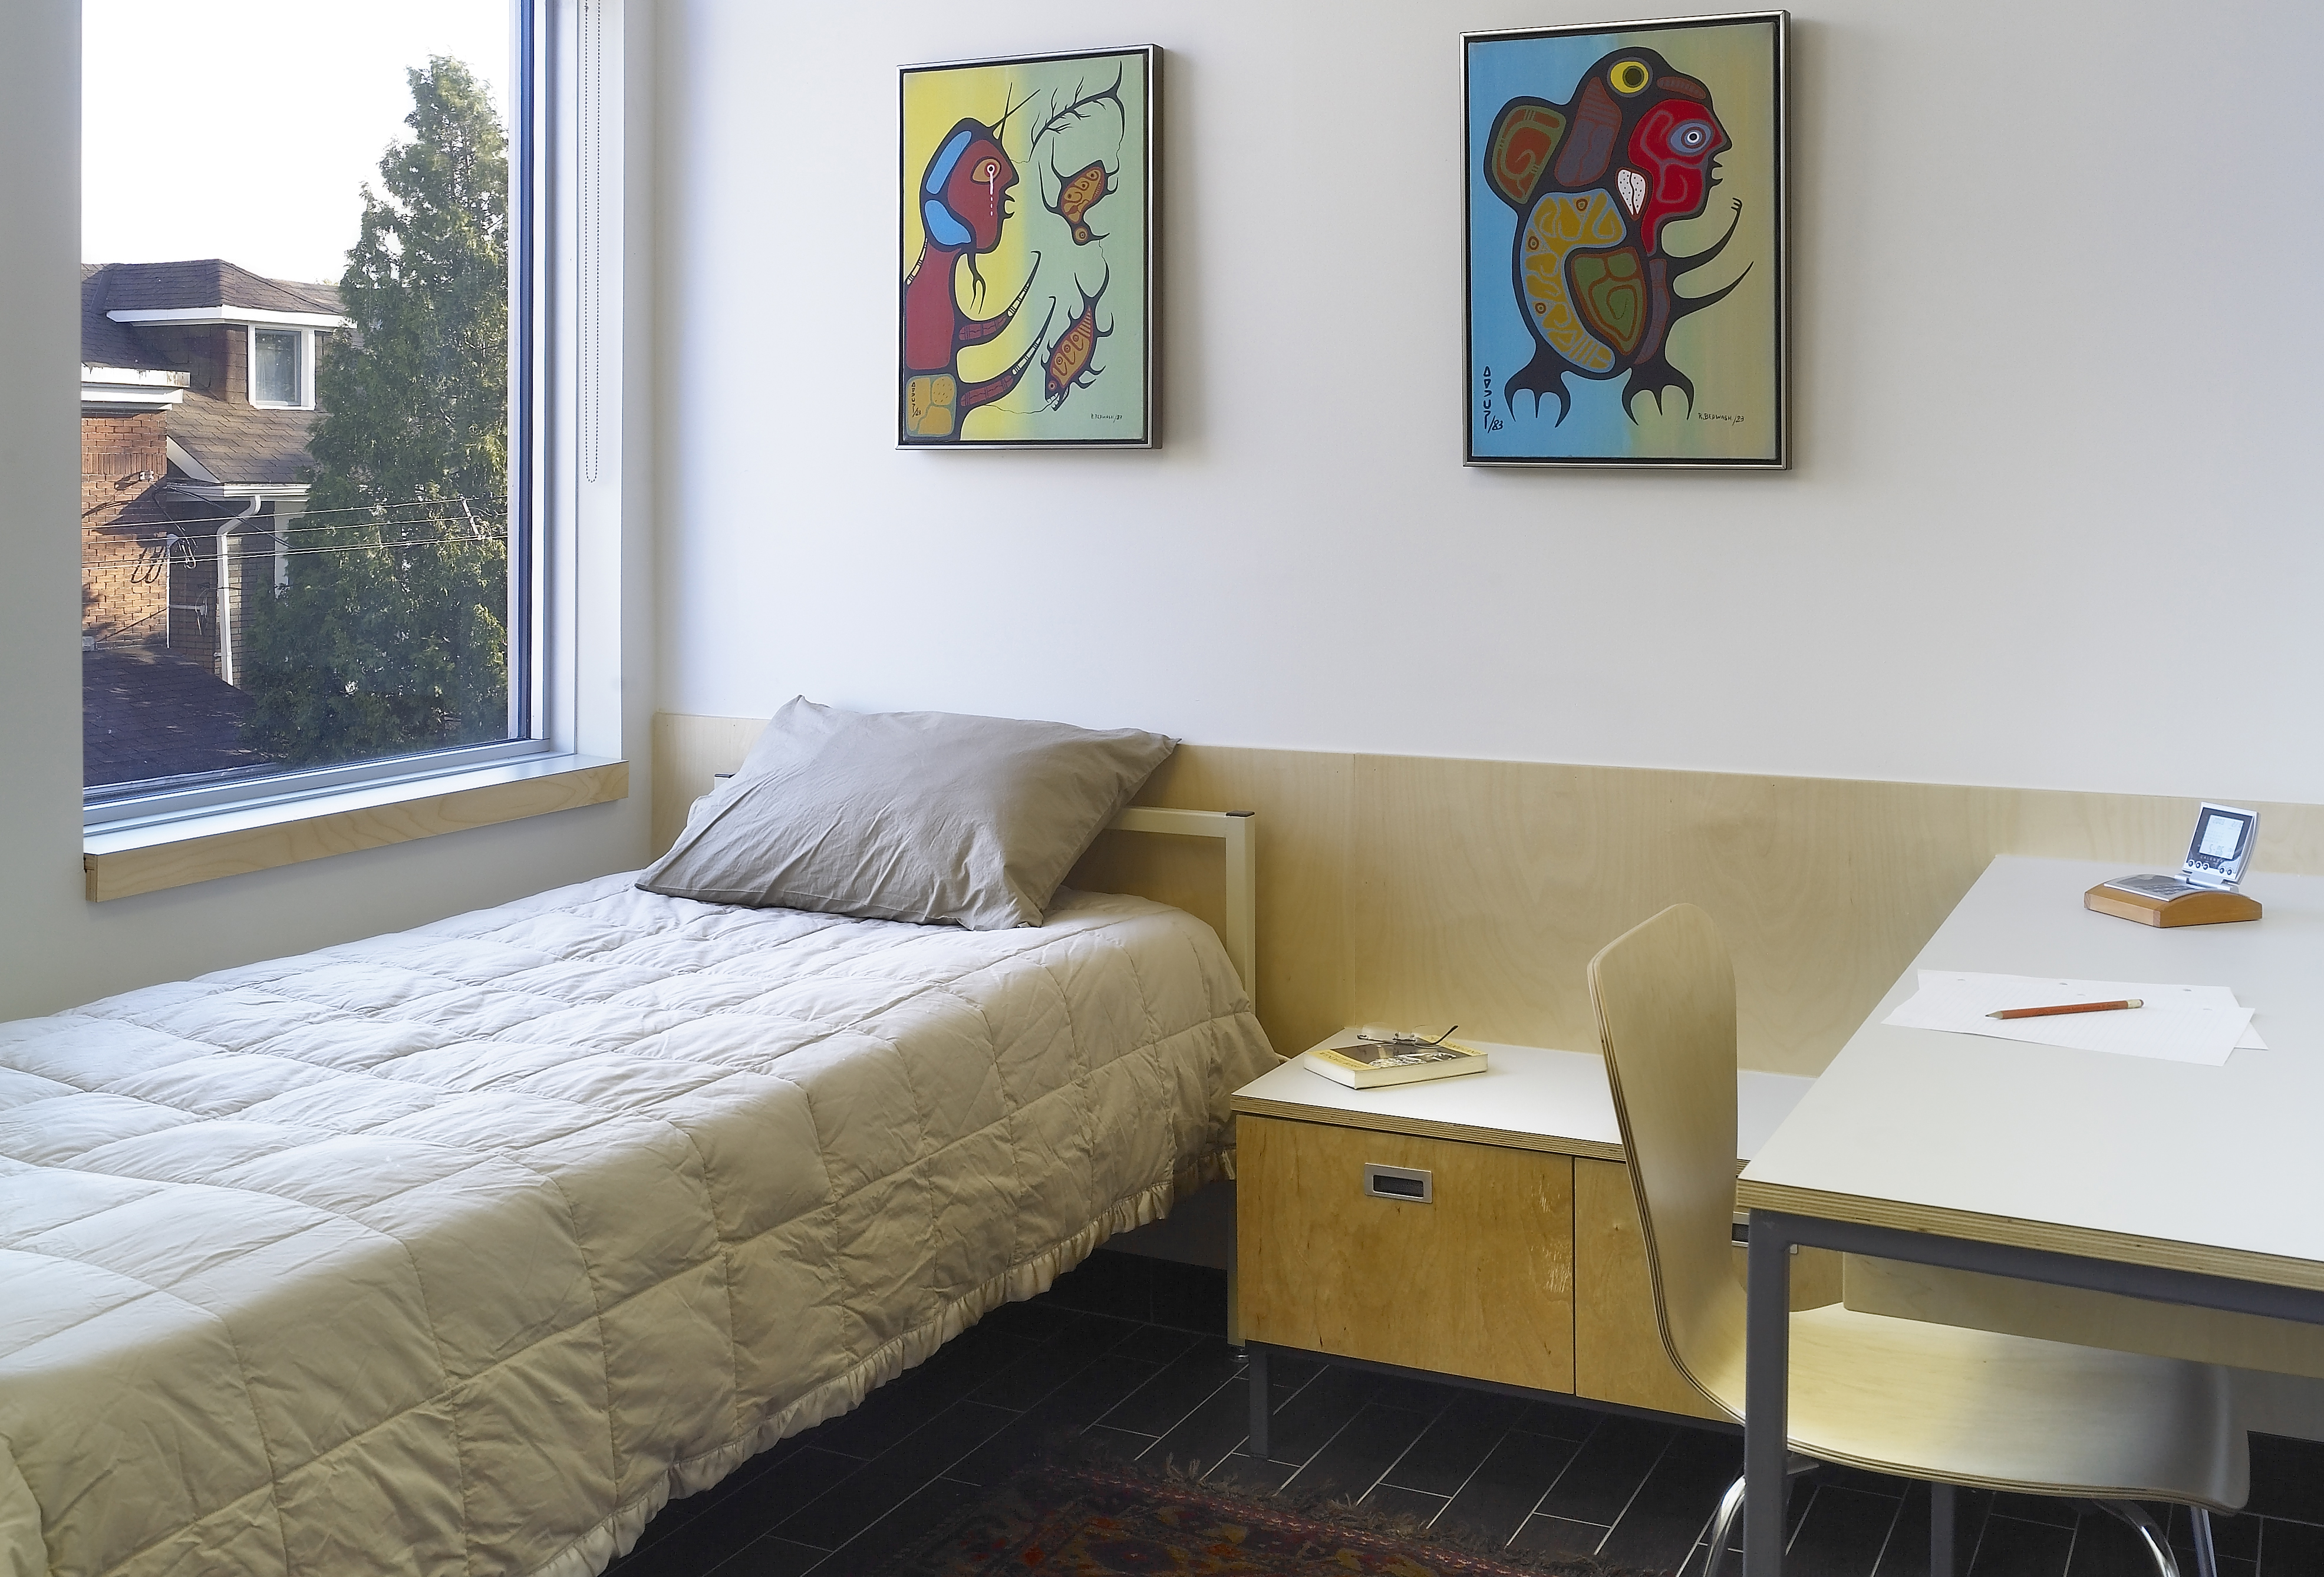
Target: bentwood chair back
[[1942, 1403], [1673, 988]]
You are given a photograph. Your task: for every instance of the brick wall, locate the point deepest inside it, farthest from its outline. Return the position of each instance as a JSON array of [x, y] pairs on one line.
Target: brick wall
[[122, 459]]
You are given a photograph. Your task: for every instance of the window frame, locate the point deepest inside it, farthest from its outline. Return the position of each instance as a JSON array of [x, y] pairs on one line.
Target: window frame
[[302, 368], [567, 120]]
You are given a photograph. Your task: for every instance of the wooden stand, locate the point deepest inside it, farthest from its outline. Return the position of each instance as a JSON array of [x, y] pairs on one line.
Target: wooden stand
[[2189, 909]]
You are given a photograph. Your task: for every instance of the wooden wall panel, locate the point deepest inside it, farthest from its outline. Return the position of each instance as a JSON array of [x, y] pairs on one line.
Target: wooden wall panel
[[1479, 889], [1421, 890], [686, 751], [1301, 798]]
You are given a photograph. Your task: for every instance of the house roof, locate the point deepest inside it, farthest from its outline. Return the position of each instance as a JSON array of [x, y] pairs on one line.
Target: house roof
[[206, 282], [238, 444], [209, 281], [242, 445], [102, 342], [148, 714]]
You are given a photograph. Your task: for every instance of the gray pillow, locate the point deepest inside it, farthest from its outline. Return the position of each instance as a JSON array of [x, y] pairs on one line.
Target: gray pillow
[[907, 815]]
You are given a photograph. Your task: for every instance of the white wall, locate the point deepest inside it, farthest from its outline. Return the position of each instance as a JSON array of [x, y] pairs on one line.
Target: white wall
[[56, 948], [2051, 523]]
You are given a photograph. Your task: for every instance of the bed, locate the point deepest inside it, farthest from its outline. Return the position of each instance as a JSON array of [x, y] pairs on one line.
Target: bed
[[467, 1248]]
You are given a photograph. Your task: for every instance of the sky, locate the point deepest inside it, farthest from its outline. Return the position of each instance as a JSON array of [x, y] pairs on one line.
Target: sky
[[245, 129]]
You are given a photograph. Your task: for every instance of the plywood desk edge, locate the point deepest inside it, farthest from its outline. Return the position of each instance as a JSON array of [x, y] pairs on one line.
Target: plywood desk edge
[[2091, 1242], [1427, 1128]]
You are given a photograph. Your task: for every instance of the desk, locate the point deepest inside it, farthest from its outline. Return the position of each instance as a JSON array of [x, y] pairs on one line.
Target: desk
[[2127, 1175]]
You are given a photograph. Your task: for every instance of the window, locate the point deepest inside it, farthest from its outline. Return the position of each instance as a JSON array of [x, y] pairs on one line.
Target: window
[[277, 366], [319, 567], [430, 605]]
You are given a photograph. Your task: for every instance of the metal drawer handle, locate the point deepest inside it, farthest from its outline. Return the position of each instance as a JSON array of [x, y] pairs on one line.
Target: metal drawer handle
[[1408, 1185]]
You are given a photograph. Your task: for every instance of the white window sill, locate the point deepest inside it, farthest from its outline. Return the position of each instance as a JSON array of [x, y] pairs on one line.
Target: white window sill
[[145, 856]]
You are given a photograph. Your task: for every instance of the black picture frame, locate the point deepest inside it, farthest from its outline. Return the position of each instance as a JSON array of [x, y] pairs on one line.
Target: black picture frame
[[1033, 182], [1620, 308]]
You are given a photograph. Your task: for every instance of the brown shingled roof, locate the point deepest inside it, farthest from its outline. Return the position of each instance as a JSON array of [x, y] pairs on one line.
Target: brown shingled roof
[[322, 296], [236, 443], [241, 444], [102, 342], [207, 281], [148, 714]]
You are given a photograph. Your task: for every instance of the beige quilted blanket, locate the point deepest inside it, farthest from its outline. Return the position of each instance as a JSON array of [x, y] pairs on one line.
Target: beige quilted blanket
[[463, 1250]]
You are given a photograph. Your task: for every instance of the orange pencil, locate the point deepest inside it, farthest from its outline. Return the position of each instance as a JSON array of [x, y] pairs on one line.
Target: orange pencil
[[2068, 1008]]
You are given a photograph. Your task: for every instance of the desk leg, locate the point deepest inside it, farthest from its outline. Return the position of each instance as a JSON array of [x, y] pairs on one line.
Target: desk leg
[[1261, 1405], [1943, 1518], [1766, 1377]]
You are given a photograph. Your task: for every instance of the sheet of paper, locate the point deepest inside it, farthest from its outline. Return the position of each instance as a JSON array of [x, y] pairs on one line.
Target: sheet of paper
[[2180, 1023]]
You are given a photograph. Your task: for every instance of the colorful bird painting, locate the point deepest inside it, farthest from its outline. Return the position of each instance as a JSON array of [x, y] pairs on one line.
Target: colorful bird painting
[[964, 200], [1596, 183]]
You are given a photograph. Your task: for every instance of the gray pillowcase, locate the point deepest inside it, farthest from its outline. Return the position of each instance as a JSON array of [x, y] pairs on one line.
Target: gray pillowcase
[[907, 815]]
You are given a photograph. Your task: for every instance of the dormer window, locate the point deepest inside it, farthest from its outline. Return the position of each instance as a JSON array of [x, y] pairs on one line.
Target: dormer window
[[279, 370]]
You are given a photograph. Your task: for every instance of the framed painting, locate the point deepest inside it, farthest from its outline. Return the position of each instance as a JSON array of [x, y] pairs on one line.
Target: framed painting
[[1027, 292], [1623, 199]]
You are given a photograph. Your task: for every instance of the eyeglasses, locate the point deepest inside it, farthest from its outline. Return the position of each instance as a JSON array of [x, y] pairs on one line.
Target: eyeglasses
[[1381, 1035]]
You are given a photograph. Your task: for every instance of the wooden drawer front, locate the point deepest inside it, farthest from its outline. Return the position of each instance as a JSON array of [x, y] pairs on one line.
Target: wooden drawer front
[[1479, 1282]]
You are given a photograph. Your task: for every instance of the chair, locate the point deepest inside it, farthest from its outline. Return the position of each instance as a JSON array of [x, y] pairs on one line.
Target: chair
[[1941, 1403]]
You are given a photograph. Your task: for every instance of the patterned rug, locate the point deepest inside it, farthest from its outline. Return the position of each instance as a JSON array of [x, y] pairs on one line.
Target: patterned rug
[[1118, 1519]]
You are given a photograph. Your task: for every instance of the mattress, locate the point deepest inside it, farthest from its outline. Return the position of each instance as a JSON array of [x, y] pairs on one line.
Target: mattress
[[465, 1248]]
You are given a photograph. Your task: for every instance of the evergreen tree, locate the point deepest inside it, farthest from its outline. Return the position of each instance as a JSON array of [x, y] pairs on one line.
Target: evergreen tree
[[391, 635]]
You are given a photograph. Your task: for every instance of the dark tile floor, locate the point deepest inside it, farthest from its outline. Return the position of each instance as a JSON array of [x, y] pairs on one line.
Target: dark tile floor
[[1131, 1351]]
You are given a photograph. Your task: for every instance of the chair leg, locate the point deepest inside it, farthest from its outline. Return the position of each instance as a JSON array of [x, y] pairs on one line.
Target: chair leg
[[1722, 1527], [2158, 1548], [1731, 1507], [2207, 1563]]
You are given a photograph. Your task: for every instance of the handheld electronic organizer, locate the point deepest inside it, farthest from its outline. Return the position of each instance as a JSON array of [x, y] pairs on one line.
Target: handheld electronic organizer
[[2204, 892]]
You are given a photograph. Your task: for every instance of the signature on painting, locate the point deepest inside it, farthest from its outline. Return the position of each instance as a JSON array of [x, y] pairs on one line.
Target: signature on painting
[[1492, 422]]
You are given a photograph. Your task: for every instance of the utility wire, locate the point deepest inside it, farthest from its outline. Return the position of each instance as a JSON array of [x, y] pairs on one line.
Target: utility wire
[[459, 524], [298, 552], [374, 509], [457, 528]]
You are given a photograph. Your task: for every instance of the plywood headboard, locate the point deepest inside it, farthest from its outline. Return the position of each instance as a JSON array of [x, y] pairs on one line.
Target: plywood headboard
[[1412, 890]]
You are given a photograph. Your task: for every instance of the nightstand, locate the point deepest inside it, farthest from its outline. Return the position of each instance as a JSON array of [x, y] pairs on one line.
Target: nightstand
[[1478, 1229]]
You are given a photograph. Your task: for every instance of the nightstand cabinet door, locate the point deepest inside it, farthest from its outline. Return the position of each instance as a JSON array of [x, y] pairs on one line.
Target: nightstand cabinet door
[[1617, 1346], [1622, 1357], [1476, 1281]]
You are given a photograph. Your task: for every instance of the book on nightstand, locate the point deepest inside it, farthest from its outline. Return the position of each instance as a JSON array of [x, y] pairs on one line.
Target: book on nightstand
[[1366, 1064]]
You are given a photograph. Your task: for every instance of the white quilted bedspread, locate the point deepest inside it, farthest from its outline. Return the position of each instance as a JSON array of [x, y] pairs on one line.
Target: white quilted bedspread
[[462, 1249]]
